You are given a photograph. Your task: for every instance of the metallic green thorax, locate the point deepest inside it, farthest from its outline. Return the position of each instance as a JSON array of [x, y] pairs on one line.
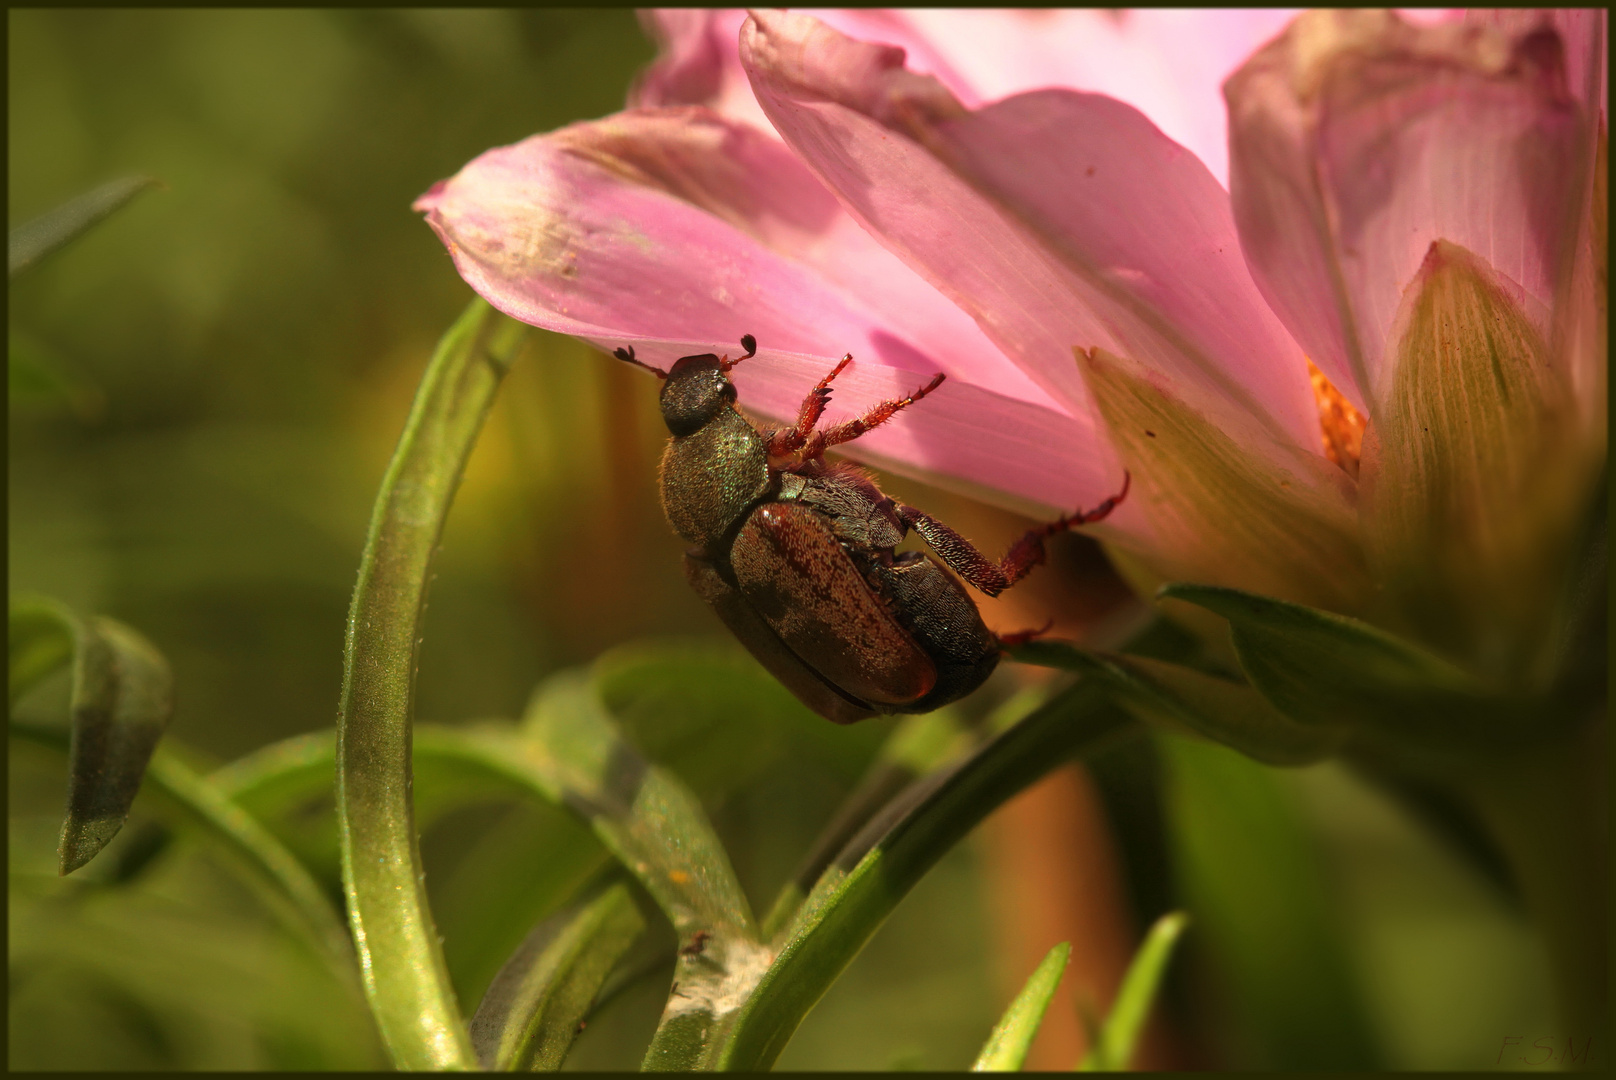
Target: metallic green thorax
[[711, 477]]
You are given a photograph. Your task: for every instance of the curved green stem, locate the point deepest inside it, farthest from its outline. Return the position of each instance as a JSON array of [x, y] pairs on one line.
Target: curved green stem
[[405, 977]]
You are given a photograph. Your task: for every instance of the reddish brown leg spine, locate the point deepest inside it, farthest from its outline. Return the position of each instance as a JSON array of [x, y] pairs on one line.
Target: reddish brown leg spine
[[789, 440]]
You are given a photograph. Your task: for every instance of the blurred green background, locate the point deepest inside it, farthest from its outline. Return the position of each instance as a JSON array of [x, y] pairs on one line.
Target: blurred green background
[[234, 355]]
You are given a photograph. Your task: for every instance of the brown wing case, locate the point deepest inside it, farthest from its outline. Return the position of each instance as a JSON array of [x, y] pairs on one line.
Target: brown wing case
[[795, 574]]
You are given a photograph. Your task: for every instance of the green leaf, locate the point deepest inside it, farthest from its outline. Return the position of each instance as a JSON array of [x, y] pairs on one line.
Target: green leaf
[[35, 372], [894, 850], [708, 712], [40, 641], [31, 241], [1329, 670], [1226, 712], [657, 829], [1113, 1049], [122, 697], [1255, 882], [406, 979], [527, 1020], [279, 879], [640, 811], [1012, 1036], [917, 746], [569, 754]]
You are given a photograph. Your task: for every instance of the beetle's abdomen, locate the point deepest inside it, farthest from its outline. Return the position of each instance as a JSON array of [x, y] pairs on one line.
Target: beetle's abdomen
[[944, 621], [712, 477], [797, 577]]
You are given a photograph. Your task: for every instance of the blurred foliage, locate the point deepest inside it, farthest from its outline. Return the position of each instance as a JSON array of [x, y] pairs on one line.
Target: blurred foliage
[[205, 390]]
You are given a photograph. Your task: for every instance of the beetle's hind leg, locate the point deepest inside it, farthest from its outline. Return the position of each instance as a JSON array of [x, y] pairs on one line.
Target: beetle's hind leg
[[848, 430], [790, 440], [993, 578]]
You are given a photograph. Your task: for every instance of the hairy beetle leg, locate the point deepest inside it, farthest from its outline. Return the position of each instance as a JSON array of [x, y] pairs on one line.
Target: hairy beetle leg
[[790, 440], [848, 430], [993, 578]]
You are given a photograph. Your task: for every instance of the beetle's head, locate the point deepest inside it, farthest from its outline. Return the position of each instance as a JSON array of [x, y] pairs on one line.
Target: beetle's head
[[697, 388]]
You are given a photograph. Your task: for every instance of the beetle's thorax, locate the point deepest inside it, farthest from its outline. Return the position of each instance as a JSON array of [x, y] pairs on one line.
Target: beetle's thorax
[[712, 477]]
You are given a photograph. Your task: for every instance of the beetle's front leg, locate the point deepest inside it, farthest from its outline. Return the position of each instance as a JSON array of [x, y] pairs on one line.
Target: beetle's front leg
[[993, 578], [848, 430], [790, 440]]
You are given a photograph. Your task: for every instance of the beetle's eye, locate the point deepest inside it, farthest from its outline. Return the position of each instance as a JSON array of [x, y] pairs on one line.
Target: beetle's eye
[[728, 392]]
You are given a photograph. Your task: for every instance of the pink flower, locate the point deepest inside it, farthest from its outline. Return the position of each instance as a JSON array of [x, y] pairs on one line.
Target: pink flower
[[1035, 203]]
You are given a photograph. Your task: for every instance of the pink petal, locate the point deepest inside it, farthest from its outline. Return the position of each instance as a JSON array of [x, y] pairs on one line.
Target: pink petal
[[698, 64], [1358, 140], [1166, 63], [1056, 219], [677, 232]]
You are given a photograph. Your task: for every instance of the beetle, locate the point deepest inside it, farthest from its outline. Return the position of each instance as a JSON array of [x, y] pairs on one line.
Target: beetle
[[795, 554]]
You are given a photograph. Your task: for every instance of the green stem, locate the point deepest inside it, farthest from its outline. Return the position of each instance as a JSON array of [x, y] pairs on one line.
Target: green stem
[[406, 979], [893, 852], [1544, 809]]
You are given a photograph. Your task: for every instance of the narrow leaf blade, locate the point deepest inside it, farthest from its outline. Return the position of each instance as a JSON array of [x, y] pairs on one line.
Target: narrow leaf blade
[[883, 862], [530, 1015], [1114, 1048], [1226, 712], [654, 825], [1012, 1036], [1324, 669], [31, 241]]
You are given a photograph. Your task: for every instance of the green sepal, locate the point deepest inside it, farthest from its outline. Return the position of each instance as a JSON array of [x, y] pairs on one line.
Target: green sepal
[[1012, 1036], [1226, 712], [1328, 670], [531, 1013], [1228, 499], [1473, 477]]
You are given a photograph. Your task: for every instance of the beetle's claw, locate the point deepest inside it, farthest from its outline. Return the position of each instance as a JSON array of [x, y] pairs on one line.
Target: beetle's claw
[[1021, 637]]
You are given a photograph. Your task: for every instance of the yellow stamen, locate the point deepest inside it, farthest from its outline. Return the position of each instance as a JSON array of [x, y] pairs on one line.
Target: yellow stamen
[[1340, 425]]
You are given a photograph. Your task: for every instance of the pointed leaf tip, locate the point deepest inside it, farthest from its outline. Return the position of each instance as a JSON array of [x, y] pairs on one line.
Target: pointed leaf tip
[[123, 695], [31, 241], [1006, 1049], [1113, 1049]]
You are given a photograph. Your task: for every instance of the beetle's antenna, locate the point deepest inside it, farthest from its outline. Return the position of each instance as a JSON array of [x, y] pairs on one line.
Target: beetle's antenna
[[627, 354], [749, 343]]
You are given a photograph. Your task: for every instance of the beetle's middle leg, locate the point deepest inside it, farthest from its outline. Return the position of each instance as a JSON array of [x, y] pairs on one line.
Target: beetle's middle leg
[[993, 578], [790, 440]]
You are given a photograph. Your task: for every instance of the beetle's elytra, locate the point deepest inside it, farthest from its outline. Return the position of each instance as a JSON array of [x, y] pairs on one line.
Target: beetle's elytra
[[795, 554]]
